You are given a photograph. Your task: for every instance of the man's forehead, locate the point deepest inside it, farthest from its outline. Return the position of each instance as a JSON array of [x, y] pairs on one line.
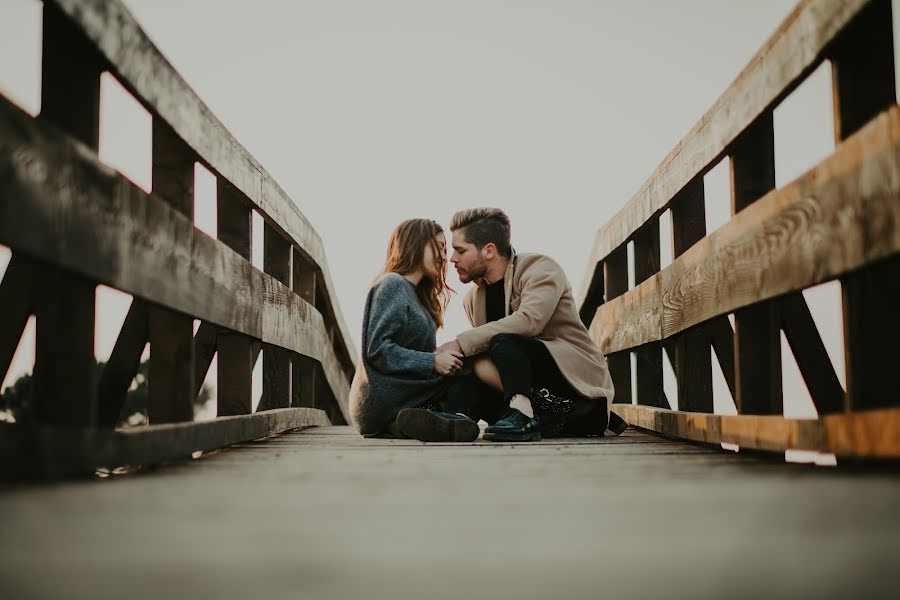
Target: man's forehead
[[459, 238]]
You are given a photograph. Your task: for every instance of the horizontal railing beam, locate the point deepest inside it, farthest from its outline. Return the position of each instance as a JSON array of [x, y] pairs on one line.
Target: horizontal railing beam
[[789, 55], [60, 205], [142, 69], [867, 434], [842, 215]]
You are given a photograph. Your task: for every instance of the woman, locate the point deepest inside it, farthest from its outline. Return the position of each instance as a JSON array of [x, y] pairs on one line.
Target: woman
[[398, 367]]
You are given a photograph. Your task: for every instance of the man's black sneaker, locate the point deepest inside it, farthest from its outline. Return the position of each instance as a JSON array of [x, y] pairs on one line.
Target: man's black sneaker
[[514, 426], [432, 426]]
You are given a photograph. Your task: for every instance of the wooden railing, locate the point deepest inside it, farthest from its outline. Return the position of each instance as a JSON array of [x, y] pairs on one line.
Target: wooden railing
[[73, 223], [840, 220]]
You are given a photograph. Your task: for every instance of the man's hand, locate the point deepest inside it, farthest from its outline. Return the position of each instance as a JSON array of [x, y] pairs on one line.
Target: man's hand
[[451, 346]]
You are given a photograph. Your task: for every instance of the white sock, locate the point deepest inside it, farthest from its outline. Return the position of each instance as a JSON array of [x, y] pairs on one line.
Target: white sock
[[522, 404]]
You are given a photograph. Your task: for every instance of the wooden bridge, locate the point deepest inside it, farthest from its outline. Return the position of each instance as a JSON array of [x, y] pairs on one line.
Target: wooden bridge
[[288, 501]]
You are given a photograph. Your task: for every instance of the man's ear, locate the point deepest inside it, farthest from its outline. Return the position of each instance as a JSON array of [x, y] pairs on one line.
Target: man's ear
[[489, 251]]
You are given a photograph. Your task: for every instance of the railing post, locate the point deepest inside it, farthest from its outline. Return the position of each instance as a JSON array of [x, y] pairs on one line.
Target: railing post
[[304, 372], [64, 386], [757, 332], [171, 334], [863, 73], [276, 361], [234, 390], [693, 363], [649, 358], [615, 278]]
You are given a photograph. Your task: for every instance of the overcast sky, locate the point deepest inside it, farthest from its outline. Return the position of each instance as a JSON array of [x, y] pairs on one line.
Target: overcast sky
[[370, 112]]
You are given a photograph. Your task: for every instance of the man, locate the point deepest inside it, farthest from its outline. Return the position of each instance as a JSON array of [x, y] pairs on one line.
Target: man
[[534, 369]]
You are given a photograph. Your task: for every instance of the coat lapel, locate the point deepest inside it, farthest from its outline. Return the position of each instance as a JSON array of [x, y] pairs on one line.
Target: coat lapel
[[507, 283]]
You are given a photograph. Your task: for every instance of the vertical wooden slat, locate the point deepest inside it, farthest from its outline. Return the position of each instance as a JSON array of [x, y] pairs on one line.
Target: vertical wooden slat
[[305, 384], [693, 363], [64, 386], [757, 333], [594, 297], [234, 393], [205, 343], [649, 358], [171, 334], [615, 282], [863, 74], [276, 361]]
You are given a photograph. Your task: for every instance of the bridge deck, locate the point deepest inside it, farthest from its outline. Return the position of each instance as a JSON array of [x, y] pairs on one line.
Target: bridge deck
[[323, 513]]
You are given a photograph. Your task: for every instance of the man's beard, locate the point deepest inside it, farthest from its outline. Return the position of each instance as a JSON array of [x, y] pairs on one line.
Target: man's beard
[[477, 272]]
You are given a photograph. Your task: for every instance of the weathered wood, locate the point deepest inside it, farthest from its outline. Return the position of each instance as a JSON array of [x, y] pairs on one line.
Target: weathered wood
[[64, 386], [783, 62], [171, 333], [303, 380], [114, 233], [870, 434], [123, 364], [757, 335], [61, 451], [233, 218], [693, 363], [234, 394], [863, 74], [835, 219], [276, 361], [171, 379], [304, 278], [812, 358], [16, 292], [615, 277], [148, 75], [649, 372]]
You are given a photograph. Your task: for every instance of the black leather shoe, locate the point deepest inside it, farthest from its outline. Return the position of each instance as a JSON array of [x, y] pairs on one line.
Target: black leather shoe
[[514, 426], [432, 426]]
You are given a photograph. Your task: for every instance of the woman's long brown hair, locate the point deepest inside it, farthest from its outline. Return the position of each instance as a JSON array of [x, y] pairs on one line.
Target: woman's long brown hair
[[405, 253]]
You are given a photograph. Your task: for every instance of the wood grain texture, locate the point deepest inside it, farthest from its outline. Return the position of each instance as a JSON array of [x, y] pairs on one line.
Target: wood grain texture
[[840, 216], [147, 74], [84, 217], [787, 57], [869, 434]]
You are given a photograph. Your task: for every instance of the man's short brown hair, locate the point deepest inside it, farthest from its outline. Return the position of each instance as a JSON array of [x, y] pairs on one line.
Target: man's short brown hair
[[483, 226]]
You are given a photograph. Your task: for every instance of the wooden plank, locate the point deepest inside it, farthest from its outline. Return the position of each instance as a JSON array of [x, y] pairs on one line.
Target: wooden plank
[[276, 361], [64, 386], [787, 57], [59, 451], [837, 218], [648, 366], [148, 75], [16, 292], [812, 358], [234, 394], [304, 278], [863, 75], [233, 218], [870, 434], [115, 234], [615, 277], [171, 333], [123, 364], [757, 333], [693, 363]]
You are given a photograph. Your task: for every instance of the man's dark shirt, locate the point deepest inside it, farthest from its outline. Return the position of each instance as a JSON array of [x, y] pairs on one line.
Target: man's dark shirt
[[495, 299]]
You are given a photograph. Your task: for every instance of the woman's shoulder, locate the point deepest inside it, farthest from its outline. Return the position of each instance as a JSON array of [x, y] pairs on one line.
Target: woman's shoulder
[[392, 283]]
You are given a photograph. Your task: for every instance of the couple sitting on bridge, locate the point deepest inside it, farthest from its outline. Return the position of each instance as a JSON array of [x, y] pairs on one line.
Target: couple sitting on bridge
[[527, 367]]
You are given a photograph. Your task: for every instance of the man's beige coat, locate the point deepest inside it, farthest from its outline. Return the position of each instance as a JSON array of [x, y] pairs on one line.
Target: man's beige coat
[[539, 304]]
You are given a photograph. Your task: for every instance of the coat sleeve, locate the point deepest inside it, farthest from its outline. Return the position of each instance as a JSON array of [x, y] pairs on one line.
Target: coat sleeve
[[387, 318], [543, 284]]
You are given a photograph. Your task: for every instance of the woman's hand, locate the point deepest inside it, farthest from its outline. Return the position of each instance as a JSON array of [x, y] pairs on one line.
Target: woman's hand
[[448, 363]]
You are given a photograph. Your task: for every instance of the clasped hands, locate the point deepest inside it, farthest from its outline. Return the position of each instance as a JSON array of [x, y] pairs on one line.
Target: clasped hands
[[448, 358]]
